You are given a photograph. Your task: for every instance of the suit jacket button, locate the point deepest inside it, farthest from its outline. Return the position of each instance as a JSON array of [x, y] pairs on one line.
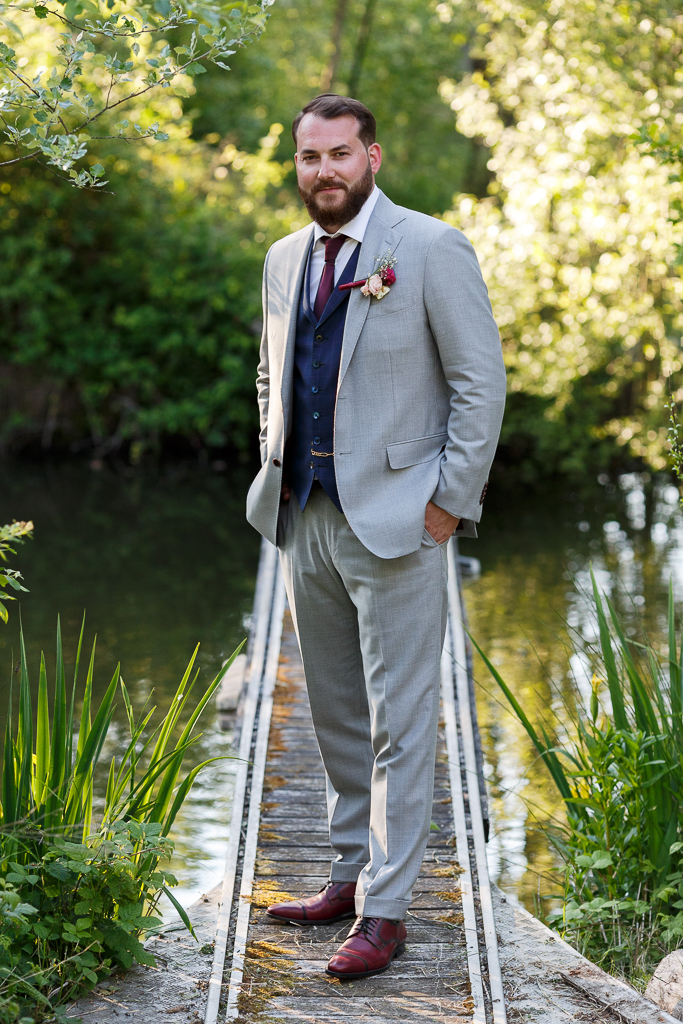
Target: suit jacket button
[[276, 462]]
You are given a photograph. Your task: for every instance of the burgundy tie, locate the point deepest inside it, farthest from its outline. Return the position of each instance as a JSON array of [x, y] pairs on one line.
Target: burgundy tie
[[326, 286]]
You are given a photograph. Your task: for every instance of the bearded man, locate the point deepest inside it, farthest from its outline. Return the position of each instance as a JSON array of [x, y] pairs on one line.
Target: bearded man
[[381, 389]]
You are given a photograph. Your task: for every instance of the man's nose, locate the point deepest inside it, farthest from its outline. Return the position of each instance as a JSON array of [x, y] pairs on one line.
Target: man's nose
[[326, 170]]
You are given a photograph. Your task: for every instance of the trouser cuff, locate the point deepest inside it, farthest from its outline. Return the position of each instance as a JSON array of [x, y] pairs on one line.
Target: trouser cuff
[[378, 906], [341, 872]]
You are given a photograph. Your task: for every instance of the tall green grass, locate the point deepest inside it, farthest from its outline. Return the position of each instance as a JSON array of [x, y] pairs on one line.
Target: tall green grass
[[620, 775], [79, 876], [48, 771]]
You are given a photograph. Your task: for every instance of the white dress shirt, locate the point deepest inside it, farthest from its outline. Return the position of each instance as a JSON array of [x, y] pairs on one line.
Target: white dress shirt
[[355, 232]]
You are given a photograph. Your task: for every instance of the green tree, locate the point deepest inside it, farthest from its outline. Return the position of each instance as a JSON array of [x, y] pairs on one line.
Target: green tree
[[576, 237], [131, 321], [391, 57], [132, 318]]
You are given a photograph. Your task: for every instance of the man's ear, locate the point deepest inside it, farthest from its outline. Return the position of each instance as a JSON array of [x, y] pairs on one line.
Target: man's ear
[[375, 157]]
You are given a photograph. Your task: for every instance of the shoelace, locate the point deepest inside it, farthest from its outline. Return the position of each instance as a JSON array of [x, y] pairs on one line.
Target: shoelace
[[367, 925]]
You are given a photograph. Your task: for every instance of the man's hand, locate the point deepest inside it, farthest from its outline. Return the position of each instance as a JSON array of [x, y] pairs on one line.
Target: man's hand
[[439, 523]]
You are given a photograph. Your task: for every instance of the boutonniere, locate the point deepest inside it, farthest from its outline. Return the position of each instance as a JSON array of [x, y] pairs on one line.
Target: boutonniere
[[380, 280]]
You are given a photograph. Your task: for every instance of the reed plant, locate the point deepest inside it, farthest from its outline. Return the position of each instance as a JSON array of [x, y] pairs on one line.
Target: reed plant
[[619, 771], [80, 877]]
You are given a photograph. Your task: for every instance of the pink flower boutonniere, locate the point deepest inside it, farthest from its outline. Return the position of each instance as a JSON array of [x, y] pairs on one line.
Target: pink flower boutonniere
[[380, 281]]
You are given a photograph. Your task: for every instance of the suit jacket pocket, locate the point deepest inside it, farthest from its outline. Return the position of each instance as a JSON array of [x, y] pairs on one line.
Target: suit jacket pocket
[[421, 449], [379, 309]]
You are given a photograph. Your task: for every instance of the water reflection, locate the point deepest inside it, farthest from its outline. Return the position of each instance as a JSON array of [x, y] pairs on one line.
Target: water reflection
[[534, 596], [160, 565]]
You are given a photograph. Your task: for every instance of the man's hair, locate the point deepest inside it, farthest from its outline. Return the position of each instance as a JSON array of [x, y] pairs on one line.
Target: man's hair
[[330, 106]]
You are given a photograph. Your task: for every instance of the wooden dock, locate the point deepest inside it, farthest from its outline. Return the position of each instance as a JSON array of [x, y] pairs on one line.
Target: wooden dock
[[473, 954], [450, 971], [284, 975]]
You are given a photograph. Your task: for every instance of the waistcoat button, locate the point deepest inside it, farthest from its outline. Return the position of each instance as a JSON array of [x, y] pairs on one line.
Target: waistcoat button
[[314, 390]]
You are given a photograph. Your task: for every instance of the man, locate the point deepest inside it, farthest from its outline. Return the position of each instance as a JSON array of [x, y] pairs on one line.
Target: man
[[381, 388]]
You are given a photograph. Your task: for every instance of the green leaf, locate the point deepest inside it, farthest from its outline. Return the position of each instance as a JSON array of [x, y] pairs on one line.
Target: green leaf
[[181, 911], [40, 11], [195, 69]]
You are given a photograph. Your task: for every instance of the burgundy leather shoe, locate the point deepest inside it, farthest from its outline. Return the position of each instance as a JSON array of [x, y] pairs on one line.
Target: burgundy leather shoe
[[334, 902], [369, 948]]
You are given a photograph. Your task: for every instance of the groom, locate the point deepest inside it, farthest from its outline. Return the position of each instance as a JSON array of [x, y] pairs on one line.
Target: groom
[[381, 388]]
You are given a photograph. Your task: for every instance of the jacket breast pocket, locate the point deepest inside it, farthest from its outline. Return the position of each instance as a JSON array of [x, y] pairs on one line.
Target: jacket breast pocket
[[403, 454]]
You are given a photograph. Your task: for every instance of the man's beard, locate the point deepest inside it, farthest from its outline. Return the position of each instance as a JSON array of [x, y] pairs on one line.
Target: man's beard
[[352, 204]]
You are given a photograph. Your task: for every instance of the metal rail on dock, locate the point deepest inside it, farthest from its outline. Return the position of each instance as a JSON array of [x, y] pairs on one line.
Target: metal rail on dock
[[467, 785], [266, 631], [467, 788]]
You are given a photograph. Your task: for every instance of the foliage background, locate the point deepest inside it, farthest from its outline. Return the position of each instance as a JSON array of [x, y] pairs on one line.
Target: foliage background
[[130, 322]]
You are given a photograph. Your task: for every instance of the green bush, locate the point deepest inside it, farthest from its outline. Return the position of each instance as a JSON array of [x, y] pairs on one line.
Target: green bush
[[132, 319], [80, 878], [620, 775], [77, 912], [14, 533]]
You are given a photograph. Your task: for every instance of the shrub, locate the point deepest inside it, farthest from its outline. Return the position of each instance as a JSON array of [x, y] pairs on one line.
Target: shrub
[[620, 775], [79, 889], [11, 534]]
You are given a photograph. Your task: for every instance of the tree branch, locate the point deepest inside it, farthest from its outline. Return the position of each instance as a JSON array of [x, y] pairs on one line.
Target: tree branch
[[91, 29], [134, 95], [18, 159]]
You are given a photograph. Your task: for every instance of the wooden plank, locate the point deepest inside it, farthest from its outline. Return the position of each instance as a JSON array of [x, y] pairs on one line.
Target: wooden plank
[[297, 937], [431, 1007], [292, 881], [617, 997]]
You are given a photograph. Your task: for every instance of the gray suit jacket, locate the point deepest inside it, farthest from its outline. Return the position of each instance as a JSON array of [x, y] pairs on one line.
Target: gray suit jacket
[[421, 383]]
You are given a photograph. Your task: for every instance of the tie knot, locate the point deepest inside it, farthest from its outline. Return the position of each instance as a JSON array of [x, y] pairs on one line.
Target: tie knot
[[332, 247]]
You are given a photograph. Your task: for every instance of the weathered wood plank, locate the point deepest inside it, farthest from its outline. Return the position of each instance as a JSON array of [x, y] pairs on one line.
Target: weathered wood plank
[[292, 881], [627, 1004], [390, 1008], [316, 935], [449, 985]]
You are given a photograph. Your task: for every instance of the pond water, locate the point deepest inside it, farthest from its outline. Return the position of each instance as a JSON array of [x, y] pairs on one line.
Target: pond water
[[159, 564], [162, 563], [531, 610]]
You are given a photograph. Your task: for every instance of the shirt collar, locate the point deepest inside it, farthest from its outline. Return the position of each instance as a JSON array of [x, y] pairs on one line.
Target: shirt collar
[[357, 227]]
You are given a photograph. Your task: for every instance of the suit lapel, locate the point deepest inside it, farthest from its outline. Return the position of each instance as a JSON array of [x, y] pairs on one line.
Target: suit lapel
[[380, 237], [307, 287], [294, 273]]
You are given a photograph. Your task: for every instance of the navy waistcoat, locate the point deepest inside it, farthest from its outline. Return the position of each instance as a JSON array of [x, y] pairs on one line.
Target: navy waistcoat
[[317, 354]]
